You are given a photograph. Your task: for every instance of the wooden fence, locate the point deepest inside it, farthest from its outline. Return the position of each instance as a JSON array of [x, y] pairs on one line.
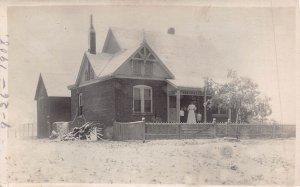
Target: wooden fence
[[141, 131], [22, 130], [209, 130], [129, 131]]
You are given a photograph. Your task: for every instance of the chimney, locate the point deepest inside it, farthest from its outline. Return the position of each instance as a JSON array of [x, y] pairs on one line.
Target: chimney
[[92, 38], [171, 30]]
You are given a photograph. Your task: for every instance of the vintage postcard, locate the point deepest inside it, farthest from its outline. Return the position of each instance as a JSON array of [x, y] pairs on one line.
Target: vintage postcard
[[147, 93]]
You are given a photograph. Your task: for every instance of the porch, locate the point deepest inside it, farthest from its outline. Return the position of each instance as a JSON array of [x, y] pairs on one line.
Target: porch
[[179, 98]]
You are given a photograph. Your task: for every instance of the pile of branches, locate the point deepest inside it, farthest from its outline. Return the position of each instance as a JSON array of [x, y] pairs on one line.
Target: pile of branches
[[85, 132]]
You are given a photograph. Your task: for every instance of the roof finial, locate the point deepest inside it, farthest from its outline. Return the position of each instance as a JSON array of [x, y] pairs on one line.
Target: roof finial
[[91, 26], [144, 36]]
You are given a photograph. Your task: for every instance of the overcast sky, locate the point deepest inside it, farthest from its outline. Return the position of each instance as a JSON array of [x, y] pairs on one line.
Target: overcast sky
[[53, 39]]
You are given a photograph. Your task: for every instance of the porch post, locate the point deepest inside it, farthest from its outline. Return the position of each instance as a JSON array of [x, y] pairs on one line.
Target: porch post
[[168, 106], [178, 105]]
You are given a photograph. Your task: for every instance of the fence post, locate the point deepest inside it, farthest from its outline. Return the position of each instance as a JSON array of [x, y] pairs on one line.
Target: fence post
[[215, 130], [227, 129], [179, 130], [273, 131], [236, 130]]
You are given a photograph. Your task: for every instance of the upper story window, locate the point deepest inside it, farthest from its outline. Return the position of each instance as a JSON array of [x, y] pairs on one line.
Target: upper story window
[[86, 75], [142, 62], [137, 67], [142, 99], [89, 73], [92, 74]]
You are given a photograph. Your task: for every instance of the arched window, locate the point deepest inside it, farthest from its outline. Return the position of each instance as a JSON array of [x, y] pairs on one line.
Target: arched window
[[142, 62], [142, 99]]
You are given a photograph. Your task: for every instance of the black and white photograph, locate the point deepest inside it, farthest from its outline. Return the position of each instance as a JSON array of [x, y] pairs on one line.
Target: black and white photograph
[[187, 93]]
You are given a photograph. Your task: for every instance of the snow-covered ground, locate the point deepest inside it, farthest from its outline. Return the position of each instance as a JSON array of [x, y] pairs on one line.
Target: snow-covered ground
[[205, 161]]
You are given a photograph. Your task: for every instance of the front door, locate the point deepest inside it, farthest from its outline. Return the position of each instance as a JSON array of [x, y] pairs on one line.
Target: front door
[[172, 109]]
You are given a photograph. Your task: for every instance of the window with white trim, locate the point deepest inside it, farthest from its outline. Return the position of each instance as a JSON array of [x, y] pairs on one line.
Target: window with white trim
[[142, 99]]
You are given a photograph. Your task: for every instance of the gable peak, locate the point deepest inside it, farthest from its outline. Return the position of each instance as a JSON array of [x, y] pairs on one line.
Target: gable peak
[[111, 44]]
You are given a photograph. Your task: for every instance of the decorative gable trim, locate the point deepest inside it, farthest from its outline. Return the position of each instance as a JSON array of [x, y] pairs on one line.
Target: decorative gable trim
[[156, 59], [159, 61]]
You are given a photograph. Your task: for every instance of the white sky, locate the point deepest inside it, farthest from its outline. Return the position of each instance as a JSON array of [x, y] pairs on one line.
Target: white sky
[[53, 39]]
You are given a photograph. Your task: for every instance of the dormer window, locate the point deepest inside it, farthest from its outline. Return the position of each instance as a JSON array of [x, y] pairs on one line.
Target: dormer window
[[142, 62]]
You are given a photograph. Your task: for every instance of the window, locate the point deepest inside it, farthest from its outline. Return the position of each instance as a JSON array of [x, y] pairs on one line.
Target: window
[[92, 74], [142, 62], [137, 100], [142, 99], [89, 73], [86, 75], [148, 68], [137, 67], [80, 105]]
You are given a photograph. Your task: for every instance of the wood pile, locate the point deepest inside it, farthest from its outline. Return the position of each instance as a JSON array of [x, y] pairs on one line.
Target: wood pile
[[85, 132]]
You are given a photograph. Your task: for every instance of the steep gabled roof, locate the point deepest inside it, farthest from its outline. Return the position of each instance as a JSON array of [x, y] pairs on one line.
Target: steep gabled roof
[[55, 84], [188, 59], [105, 64]]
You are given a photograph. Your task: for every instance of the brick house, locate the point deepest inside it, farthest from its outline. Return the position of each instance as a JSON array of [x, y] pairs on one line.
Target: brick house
[[144, 74]]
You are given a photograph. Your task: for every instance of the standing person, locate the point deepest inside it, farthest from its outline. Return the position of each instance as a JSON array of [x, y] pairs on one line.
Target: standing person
[[199, 117], [191, 116], [181, 113]]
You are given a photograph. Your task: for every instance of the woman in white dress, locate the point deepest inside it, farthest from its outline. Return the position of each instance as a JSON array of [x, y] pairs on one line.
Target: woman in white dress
[[191, 115]]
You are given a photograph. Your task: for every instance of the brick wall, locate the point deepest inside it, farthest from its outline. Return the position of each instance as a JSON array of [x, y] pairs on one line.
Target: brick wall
[[124, 100], [98, 102]]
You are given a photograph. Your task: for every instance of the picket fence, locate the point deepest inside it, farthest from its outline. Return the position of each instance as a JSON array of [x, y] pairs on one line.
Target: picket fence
[[152, 131], [22, 130]]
